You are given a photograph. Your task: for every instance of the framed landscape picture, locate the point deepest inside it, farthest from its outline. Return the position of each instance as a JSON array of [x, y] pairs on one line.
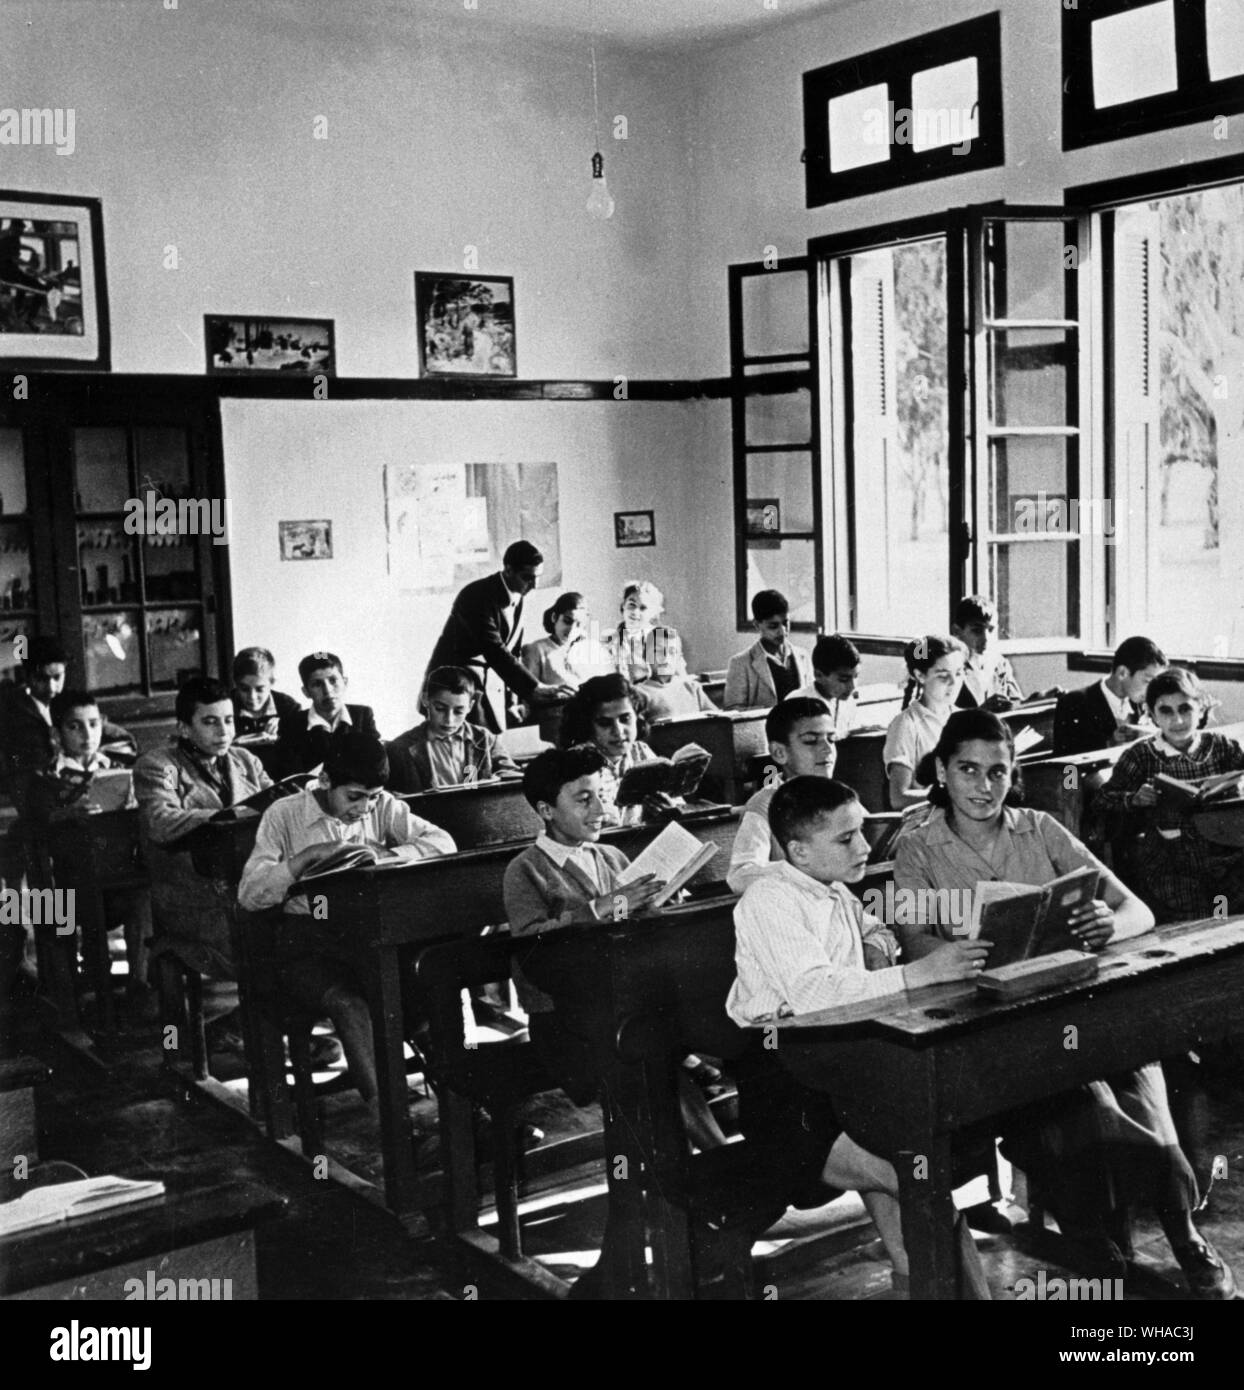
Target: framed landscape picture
[[466, 324], [53, 286], [306, 540], [634, 528], [240, 344]]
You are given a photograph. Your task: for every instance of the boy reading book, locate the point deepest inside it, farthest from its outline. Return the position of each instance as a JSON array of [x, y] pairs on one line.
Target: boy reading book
[[347, 805], [800, 731], [804, 943], [446, 750]]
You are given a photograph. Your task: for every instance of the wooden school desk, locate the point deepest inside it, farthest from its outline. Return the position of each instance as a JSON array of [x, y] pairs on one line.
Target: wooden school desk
[[382, 913], [488, 814], [907, 1073]]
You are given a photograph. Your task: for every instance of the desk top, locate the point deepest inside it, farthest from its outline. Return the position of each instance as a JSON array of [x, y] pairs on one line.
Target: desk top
[[937, 1012]]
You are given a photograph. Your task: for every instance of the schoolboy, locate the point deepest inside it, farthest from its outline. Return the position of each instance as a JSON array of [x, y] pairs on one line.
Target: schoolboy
[[179, 788], [803, 943], [835, 670], [258, 706], [63, 792], [27, 744], [771, 668], [566, 879], [1112, 710], [348, 804], [303, 735], [988, 680], [801, 738], [446, 750], [670, 692]]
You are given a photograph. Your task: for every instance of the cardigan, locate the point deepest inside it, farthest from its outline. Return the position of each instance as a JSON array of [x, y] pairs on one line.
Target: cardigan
[[541, 896]]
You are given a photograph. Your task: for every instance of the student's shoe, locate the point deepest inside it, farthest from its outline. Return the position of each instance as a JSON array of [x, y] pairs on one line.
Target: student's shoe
[[1209, 1276]]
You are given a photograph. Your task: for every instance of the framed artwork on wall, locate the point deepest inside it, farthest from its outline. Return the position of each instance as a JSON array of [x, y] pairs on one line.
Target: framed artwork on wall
[[245, 344], [466, 325], [633, 529]]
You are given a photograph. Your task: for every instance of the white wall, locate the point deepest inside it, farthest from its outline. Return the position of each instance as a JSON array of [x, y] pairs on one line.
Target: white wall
[[195, 128], [302, 460]]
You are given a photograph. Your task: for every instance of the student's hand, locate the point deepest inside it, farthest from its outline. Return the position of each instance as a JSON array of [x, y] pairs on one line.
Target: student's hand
[[952, 960], [1092, 924], [1144, 796], [636, 895], [874, 957], [553, 694], [311, 856], [660, 806]]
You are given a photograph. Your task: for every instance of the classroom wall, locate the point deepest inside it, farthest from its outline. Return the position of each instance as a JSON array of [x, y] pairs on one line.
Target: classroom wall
[[195, 126], [301, 460]]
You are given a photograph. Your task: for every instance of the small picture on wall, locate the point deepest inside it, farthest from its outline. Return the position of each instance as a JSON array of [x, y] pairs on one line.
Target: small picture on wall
[[242, 343], [764, 516], [306, 540], [466, 325], [634, 528]]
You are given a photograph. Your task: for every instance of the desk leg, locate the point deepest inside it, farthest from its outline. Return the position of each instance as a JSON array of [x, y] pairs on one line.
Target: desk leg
[[624, 1266], [396, 1133], [928, 1231]]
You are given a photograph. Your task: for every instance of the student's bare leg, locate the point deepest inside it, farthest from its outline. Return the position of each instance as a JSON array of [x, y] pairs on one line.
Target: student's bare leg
[[854, 1168], [352, 1022]]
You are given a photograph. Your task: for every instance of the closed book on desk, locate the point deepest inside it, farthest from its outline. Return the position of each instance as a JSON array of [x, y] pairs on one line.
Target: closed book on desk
[[1022, 920], [44, 1206]]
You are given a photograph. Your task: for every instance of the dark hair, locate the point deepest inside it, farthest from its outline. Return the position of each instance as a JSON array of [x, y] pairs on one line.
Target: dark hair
[[974, 608], [199, 690], [579, 710], [797, 805], [547, 774], [69, 700], [318, 661], [1175, 680], [923, 653], [354, 756], [1137, 654], [835, 653], [253, 661], [781, 720], [453, 680], [769, 603], [967, 726], [565, 603], [520, 554], [44, 651]]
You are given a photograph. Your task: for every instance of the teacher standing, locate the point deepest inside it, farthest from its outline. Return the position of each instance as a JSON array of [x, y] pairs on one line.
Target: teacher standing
[[484, 634]]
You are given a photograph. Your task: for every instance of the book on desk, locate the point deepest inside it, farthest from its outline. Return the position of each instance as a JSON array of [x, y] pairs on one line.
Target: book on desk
[[1023, 921]]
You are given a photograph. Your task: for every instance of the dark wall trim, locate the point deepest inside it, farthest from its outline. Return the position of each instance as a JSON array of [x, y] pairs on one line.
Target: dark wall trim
[[1156, 183], [1207, 667]]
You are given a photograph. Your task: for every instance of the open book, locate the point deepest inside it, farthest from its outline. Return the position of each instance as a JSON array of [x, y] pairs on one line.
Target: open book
[[1220, 787], [45, 1206], [679, 775], [349, 855], [1026, 738], [1024, 921], [673, 858], [287, 786]]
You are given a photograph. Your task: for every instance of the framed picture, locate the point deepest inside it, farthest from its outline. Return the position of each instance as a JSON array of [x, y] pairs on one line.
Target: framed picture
[[764, 517], [634, 528], [53, 286], [466, 325], [239, 344], [306, 540]]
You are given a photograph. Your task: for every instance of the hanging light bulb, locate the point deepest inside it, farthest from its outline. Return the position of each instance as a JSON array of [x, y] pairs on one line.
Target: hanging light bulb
[[600, 200]]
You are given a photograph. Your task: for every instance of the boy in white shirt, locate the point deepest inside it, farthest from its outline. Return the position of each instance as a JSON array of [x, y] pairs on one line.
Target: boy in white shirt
[[835, 671], [803, 943], [347, 804]]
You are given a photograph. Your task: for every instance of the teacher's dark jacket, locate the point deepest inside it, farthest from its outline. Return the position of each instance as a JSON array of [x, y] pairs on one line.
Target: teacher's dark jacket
[[480, 636]]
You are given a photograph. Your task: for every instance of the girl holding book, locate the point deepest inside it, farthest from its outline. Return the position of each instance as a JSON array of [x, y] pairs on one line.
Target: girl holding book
[[608, 712], [1179, 873], [1091, 1151]]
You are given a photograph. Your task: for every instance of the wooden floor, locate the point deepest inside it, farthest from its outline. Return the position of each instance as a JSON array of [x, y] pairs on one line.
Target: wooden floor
[[334, 1244]]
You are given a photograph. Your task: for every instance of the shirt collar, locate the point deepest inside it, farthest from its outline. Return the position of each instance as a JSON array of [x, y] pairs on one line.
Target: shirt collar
[[317, 721], [814, 888], [562, 854], [44, 709], [938, 831], [1169, 751], [1120, 705], [101, 763], [312, 811]]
